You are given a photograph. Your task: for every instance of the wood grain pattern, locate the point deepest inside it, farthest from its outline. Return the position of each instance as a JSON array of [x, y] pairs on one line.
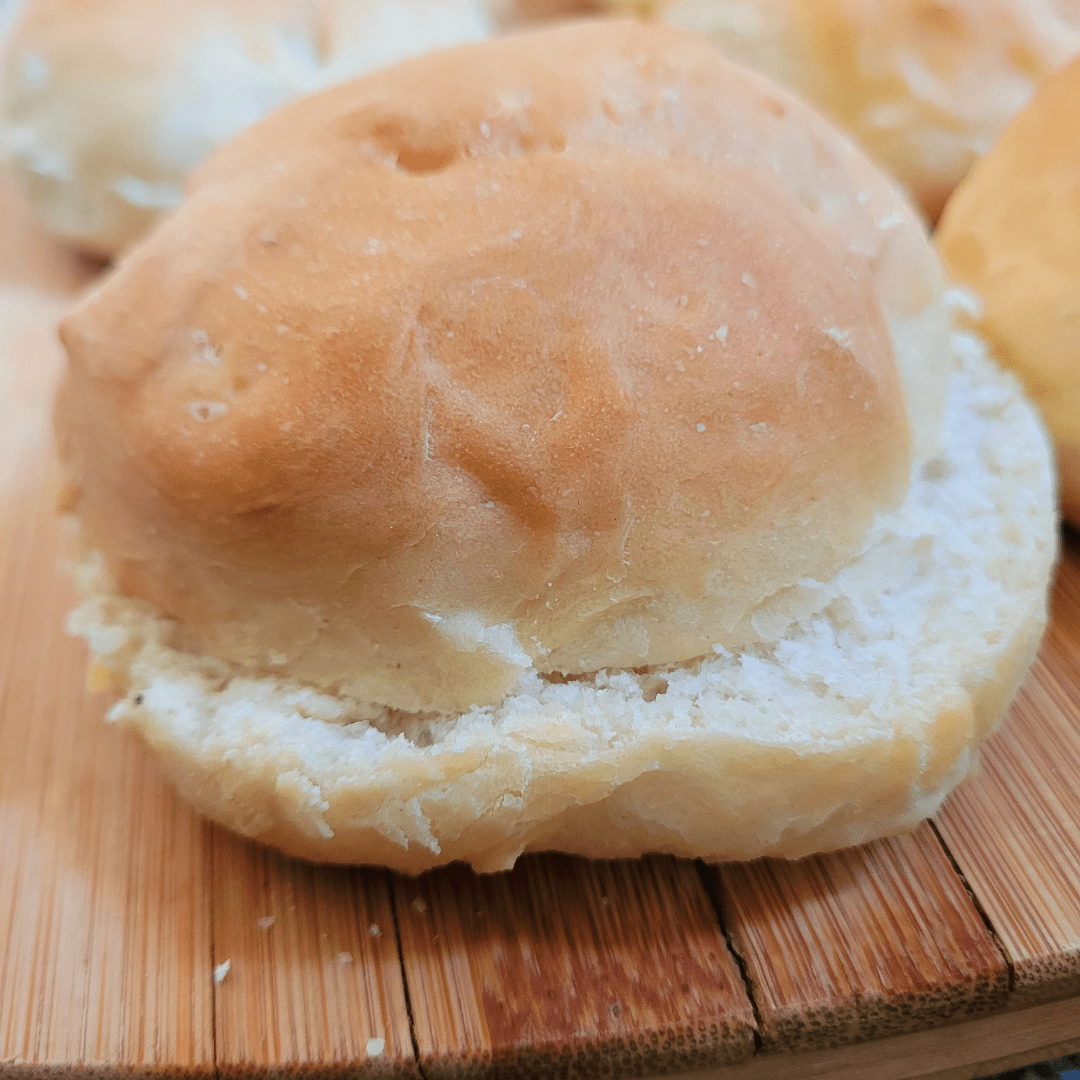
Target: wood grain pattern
[[104, 876], [1014, 829], [569, 968], [860, 944], [976, 1048], [314, 980]]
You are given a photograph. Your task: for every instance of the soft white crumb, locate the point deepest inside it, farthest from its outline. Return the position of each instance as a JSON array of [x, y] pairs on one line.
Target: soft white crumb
[[375, 1047], [419, 905], [221, 971], [374, 931], [344, 958], [266, 922]]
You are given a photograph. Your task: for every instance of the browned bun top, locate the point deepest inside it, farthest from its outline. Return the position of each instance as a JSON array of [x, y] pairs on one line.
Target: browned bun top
[[564, 350]]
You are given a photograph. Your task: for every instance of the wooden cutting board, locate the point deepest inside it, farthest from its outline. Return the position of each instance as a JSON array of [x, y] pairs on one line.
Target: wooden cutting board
[[137, 938]]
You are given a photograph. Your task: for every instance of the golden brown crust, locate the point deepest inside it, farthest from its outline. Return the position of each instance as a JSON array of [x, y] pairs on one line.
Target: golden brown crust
[[1011, 232], [552, 351]]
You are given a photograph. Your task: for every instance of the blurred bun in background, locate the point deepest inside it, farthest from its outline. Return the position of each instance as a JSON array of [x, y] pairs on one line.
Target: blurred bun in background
[[106, 106], [1012, 233], [925, 86], [558, 443]]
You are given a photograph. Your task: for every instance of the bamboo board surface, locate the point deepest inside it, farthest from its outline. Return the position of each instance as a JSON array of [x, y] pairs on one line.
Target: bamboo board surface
[[861, 944], [136, 938], [1014, 829]]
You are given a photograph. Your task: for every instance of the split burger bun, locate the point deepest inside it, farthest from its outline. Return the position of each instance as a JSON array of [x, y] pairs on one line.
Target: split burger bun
[[561, 442], [1012, 233], [925, 86], [107, 106]]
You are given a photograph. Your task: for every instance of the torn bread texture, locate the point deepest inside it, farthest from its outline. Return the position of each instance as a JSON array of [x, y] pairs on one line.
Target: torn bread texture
[[854, 724]]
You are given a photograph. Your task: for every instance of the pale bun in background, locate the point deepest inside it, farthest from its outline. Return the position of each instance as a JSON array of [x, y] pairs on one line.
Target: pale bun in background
[[1012, 233], [557, 443], [925, 87], [107, 106]]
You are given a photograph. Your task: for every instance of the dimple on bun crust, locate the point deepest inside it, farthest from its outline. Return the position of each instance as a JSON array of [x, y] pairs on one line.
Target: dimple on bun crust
[[463, 401]]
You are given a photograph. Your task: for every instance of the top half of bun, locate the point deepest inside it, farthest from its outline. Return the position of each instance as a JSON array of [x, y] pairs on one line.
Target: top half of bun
[[563, 350]]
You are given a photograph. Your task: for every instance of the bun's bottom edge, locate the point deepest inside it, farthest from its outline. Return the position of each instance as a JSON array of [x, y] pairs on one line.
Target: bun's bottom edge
[[852, 722]]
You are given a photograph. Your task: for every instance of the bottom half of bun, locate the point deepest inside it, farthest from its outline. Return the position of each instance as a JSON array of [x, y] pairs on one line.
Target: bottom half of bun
[[855, 724]]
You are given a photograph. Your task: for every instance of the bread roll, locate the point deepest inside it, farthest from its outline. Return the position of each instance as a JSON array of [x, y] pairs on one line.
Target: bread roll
[[106, 106], [1012, 233], [925, 87], [560, 442]]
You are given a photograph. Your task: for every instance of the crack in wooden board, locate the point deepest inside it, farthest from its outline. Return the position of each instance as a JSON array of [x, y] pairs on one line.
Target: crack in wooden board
[[860, 944], [564, 967], [1014, 828], [314, 983]]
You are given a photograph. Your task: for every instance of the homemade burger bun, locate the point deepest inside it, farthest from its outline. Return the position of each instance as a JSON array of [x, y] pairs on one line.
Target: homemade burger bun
[[558, 443], [1012, 233], [107, 106], [925, 87]]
